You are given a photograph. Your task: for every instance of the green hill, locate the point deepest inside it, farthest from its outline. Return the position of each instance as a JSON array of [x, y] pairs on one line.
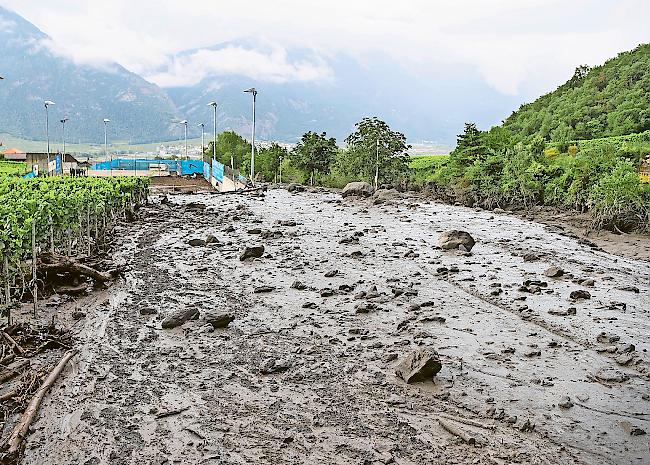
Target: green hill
[[608, 100]]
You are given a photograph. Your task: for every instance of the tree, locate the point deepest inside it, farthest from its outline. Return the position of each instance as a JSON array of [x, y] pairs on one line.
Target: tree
[[230, 144], [314, 153], [267, 160], [374, 144]]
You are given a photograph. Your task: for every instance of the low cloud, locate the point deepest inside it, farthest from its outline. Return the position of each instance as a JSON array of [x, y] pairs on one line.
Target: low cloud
[[275, 66]]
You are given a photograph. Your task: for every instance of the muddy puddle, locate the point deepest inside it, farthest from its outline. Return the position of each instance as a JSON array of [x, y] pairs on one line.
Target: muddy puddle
[[301, 377]]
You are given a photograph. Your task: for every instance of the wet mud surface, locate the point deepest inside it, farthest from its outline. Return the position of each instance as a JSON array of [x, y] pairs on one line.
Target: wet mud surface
[[300, 376]]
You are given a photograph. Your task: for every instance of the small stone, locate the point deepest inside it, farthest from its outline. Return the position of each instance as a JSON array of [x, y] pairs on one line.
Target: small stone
[[332, 273], [554, 272], [421, 365], [580, 294], [263, 289], [255, 251], [298, 286], [148, 311], [179, 317], [565, 402], [219, 320], [196, 242]]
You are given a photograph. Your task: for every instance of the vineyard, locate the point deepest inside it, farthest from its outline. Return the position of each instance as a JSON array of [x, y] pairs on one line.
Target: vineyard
[[57, 217], [12, 168]]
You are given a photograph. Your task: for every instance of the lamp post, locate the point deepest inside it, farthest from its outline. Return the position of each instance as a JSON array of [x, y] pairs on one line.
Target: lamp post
[[48, 103], [184, 123], [106, 121], [253, 91], [377, 167], [202, 126], [63, 121], [280, 166], [214, 141]]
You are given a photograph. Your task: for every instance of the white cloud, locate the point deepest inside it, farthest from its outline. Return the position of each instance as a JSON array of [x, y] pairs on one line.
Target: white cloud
[[191, 69], [513, 44]]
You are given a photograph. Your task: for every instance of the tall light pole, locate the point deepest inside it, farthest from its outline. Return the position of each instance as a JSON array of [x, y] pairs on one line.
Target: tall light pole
[[106, 121], [280, 166], [214, 141], [253, 91], [48, 103], [63, 121], [377, 167], [202, 126], [184, 123]]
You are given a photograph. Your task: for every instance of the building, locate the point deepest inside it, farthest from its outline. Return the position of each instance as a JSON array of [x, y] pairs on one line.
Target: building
[[59, 164]]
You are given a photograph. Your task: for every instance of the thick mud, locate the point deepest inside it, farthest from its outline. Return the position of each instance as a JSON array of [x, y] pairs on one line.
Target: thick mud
[[300, 377]]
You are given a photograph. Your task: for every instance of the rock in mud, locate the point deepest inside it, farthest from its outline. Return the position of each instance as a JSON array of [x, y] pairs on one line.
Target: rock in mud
[[360, 189], [272, 365], [580, 294], [565, 402], [219, 320], [611, 375], [255, 251], [295, 188], [531, 257], [298, 286], [554, 272], [331, 273], [210, 239], [148, 311], [629, 289], [263, 289], [420, 365], [196, 242], [636, 431], [179, 317], [454, 239], [384, 195]]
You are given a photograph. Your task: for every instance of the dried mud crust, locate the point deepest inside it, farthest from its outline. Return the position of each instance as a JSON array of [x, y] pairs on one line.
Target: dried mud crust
[[300, 377]]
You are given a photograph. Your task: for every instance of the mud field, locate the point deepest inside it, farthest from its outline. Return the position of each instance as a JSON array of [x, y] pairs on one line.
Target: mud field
[[306, 373]]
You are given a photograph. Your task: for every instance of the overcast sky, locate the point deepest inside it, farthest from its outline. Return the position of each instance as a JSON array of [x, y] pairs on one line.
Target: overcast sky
[[517, 46]]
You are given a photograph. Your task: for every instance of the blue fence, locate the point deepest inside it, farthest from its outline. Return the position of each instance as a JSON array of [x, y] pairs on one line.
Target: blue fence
[[217, 170], [184, 167]]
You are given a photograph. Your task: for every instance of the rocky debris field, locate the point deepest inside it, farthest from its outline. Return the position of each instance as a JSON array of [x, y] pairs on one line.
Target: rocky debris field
[[304, 327]]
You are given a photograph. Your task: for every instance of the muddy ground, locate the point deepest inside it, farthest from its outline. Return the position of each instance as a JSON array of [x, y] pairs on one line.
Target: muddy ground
[[300, 377]]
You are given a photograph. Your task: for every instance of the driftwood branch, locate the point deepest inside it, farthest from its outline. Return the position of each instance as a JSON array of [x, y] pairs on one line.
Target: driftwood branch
[[468, 438], [62, 264], [12, 371], [20, 430], [13, 343]]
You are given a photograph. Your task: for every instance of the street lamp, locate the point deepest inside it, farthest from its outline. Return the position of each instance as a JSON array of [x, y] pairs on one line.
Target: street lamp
[[202, 126], [48, 103], [184, 123], [63, 121], [106, 121], [280, 166], [377, 167], [253, 91], [214, 142]]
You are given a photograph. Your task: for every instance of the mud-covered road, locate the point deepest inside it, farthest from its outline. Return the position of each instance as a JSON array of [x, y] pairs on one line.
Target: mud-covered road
[[301, 377]]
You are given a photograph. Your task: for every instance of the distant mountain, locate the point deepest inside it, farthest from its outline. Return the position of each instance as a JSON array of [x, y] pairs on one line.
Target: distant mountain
[[608, 100], [432, 110], [139, 111], [426, 110]]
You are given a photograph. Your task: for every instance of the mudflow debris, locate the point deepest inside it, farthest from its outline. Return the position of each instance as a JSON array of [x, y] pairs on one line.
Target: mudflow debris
[[300, 327]]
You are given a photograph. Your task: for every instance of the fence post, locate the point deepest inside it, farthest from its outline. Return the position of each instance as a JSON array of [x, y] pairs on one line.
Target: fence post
[[35, 291], [7, 290]]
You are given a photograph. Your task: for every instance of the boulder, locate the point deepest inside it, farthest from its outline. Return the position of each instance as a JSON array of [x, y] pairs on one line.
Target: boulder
[[295, 188], [219, 320], [179, 317], [385, 195], [359, 189], [196, 242], [255, 251], [554, 272], [454, 239], [420, 365]]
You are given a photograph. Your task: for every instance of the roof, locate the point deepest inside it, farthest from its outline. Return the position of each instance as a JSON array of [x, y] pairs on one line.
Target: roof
[[13, 151]]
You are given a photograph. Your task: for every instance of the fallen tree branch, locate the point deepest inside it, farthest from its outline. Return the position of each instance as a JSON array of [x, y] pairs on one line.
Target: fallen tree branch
[[468, 421], [13, 343], [171, 412], [469, 439], [9, 394], [60, 263], [10, 372], [20, 430]]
